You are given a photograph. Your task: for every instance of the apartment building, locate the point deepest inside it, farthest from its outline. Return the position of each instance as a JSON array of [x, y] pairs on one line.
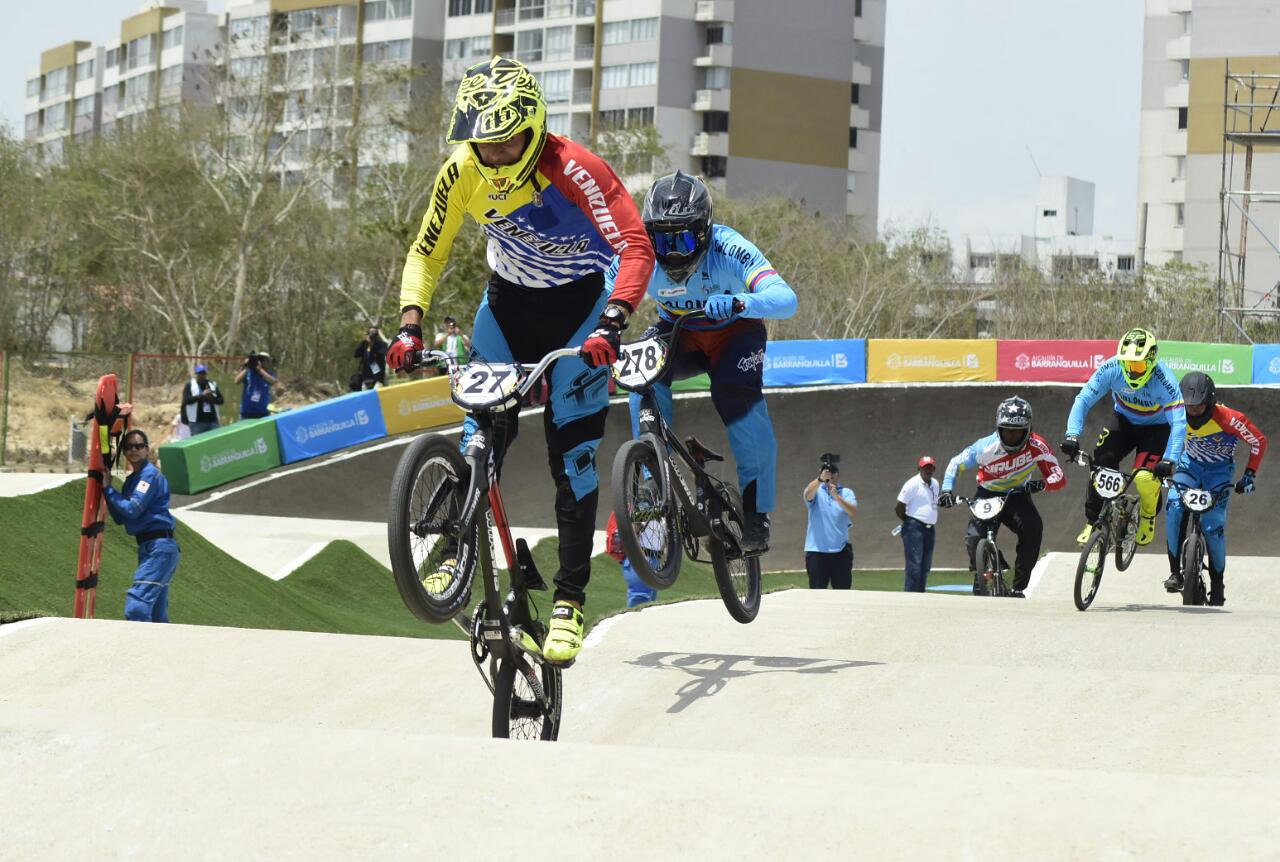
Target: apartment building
[[758, 99], [1187, 47]]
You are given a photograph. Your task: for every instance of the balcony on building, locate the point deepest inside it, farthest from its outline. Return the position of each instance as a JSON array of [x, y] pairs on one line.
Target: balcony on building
[[711, 100], [713, 10], [710, 144], [1177, 96], [716, 55], [1179, 6], [1179, 48]]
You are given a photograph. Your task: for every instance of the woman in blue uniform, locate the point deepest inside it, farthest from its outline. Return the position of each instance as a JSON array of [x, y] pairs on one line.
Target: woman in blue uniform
[[142, 505]]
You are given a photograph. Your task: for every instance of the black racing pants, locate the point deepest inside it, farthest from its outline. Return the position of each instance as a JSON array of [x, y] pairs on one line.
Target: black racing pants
[[1023, 519], [834, 569], [533, 322], [1117, 439]]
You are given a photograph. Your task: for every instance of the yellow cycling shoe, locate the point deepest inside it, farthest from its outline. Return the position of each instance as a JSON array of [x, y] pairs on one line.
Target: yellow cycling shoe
[[564, 637], [1084, 534], [1146, 530], [439, 580]]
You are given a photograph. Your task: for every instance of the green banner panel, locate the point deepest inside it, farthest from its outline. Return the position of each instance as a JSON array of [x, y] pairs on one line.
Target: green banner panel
[[217, 457], [1225, 363], [693, 384]]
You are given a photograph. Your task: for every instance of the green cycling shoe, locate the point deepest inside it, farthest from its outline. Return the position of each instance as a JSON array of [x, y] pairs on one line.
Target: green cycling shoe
[[564, 637], [439, 580]]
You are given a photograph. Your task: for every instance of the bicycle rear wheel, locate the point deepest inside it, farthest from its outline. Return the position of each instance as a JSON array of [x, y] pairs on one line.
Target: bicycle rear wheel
[[993, 579], [427, 494], [1093, 559], [738, 580], [1192, 561], [519, 712], [648, 525], [1127, 530]]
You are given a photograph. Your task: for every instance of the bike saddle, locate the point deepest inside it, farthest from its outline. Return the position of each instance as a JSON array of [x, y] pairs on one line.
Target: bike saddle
[[700, 452]]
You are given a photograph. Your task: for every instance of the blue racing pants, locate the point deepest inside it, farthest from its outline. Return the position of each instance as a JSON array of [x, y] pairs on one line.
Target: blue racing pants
[[1198, 474], [148, 598], [733, 357]]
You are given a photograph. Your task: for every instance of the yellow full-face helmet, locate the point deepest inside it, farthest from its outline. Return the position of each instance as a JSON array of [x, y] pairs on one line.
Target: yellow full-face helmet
[[1137, 354], [499, 99]]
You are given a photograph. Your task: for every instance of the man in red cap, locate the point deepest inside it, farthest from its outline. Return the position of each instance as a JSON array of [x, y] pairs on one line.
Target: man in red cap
[[917, 508]]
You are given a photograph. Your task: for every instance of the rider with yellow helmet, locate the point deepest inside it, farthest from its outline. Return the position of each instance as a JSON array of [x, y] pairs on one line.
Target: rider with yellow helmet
[[1148, 418], [555, 214]]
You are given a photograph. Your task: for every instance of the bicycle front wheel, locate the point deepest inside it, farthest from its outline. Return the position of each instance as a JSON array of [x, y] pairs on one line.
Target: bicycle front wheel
[[992, 577], [527, 700], [432, 565], [738, 580], [1127, 530], [648, 525], [1192, 561], [1093, 559]]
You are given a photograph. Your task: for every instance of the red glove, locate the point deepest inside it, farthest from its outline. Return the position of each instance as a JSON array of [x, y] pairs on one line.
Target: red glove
[[403, 352], [601, 346]]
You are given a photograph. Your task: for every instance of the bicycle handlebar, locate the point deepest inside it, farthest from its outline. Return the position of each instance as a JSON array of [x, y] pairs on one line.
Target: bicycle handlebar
[[532, 372]]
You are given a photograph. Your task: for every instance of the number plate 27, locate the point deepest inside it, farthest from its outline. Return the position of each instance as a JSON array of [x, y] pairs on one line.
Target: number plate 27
[[1108, 483], [481, 387], [640, 362]]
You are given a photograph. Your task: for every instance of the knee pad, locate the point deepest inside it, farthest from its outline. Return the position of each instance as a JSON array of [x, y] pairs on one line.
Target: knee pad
[[1148, 493]]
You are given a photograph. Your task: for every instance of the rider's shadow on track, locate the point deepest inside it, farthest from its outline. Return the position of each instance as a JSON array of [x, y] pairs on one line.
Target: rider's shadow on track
[[1181, 609], [711, 672]]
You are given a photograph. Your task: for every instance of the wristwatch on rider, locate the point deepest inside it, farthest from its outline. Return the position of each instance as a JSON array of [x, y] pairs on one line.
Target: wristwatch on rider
[[615, 316]]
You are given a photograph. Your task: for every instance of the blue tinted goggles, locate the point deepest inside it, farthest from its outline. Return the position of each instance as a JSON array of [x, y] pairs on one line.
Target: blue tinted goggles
[[680, 244]]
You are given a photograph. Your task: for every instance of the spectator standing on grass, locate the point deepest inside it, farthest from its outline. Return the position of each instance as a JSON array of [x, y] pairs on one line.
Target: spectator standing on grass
[[142, 506], [917, 508], [372, 353], [453, 341], [638, 592], [828, 556], [256, 377], [200, 400]]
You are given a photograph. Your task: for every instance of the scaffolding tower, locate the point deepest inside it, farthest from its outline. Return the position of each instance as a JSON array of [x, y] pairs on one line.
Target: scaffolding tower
[[1250, 121]]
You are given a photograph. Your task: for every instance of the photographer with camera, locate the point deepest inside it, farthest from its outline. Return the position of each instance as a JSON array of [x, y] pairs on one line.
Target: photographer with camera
[[828, 556], [256, 377], [200, 399], [372, 353]]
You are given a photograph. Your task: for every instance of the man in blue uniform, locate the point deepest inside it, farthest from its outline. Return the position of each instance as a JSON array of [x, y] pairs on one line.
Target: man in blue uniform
[[142, 505], [1148, 419], [714, 269]]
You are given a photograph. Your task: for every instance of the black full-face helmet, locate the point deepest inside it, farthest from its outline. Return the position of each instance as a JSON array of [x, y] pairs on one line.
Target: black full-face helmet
[[677, 215], [1013, 423], [1197, 388]]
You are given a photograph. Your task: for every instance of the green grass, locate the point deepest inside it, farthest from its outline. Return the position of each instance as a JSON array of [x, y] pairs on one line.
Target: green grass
[[342, 589]]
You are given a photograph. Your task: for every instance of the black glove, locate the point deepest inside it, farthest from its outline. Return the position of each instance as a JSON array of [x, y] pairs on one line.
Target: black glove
[[946, 500], [1070, 447], [1034, 486], [1245, 485], [1164, 469]]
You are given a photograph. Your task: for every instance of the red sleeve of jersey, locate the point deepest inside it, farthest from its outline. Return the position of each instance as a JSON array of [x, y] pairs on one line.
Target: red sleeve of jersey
[[1054, 478], [588, 181], [1236, 423]]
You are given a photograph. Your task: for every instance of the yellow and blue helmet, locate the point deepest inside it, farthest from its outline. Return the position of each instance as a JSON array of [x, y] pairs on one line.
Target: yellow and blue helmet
[[1137, 354], [499, 99]]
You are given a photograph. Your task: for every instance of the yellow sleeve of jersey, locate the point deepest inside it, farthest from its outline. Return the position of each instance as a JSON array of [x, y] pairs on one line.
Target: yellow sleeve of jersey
[[430, 250]]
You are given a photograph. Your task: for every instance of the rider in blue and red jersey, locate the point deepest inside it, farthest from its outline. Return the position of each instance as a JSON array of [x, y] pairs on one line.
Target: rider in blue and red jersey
[[1208, 462], [712, 268], [556, 215]]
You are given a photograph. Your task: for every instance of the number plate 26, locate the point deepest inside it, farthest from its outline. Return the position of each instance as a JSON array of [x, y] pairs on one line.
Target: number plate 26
[[1197, 500], [1108, 483], [640, 362], [486, 387]]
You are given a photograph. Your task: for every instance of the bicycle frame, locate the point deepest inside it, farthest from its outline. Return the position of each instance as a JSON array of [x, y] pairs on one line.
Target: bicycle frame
[[1106, 513], [991, 524]]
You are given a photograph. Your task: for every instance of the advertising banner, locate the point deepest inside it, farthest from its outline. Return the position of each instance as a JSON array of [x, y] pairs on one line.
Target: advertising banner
[[1266, 363], [217, 457], [901, 360], [417, 405], [330, 425], [807, 363], [1051, 361], [1225, 363]]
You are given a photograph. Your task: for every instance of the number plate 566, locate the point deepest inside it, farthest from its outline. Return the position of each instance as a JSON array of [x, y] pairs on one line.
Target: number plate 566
[[1108, 483]]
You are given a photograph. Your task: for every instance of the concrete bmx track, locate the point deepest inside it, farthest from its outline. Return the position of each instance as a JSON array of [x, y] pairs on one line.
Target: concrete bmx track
[[837, 725]]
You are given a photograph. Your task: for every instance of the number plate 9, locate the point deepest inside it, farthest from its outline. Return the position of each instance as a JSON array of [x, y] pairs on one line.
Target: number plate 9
[[986, 508], [640, 362], [486, 387], [1108, 483], [1196, 499]]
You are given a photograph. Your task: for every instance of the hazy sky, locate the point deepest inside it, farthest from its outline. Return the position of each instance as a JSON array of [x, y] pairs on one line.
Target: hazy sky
[[970, 85]]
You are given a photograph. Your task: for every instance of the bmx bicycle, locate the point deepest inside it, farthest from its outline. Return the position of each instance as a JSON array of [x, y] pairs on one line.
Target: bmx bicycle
[[656, 512], [445, 505], [1115, 527], [986, 511], [1194, 547]]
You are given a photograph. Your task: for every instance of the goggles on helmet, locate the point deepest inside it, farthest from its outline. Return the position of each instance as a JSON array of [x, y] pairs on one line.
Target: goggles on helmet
[[678, 244], [1136, 367]]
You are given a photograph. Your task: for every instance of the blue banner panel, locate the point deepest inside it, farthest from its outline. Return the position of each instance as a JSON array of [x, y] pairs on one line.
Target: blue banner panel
[[1266, 363], [330, 425], [808, 363]]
